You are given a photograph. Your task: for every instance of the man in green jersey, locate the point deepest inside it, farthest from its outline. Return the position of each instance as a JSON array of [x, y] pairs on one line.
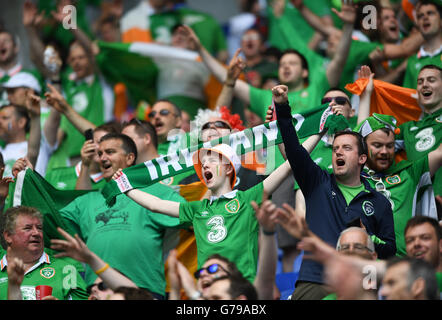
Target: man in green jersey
[[226, 219], [399, 182], [418, 138], [23, 234], [127, 236], [429, 24]]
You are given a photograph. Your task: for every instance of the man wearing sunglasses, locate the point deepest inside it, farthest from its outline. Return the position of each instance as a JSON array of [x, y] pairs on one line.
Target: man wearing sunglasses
[[401, 183], [165, 117]]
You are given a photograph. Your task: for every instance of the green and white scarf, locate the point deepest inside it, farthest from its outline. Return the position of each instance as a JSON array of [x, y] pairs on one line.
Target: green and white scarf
[[260, 137]]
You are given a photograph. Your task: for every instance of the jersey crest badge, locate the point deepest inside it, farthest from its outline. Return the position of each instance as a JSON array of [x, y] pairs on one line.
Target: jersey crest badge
[[393, 179], [368, 208], [232, 206], [47, 272]]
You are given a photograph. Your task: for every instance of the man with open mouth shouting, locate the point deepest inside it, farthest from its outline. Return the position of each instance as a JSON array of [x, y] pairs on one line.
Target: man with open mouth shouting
[[334, 201]]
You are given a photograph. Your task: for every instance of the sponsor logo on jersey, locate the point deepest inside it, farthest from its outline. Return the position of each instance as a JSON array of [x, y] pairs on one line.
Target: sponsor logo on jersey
[[204, 213], [232, 206], [393, 179], [368, 208], [47, 272]]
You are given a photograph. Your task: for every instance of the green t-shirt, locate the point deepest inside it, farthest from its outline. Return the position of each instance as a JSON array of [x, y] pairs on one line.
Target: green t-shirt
[[404, 183], [59, 273], [227, 226], [439, 281], [414, 64], [418, 138], [350, 192], [331, 296], [65, 178], [127, 236]]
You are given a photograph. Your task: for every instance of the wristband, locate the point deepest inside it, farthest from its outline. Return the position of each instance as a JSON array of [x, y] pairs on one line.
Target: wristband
[[101, 270], [268, 233]]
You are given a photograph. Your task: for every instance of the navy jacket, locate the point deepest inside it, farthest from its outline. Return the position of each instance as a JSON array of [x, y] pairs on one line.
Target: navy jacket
[[327, 212]]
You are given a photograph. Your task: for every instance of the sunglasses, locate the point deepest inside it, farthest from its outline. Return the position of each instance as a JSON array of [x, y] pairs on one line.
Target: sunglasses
[[218, 124], [339, 100], [163, 112], [380, 187], [100, 286], [213, 268]]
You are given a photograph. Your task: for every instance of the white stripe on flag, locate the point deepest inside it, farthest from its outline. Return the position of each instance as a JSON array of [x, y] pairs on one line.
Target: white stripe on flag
[[162, 51], [19, 188]]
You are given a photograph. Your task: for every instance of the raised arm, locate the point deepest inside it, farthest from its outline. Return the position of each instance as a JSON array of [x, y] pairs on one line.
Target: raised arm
[[241, 88], [150, 202], [335, 67], [312, 19], [33, 107], [75, 248], [276, 177], [31, 19], [364, 104], [87, 156], [56, 100], [236, 66]]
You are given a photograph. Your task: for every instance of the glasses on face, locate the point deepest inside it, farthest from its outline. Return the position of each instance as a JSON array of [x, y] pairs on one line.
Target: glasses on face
[[213, 268], [218, 124], [339, 100], [163, 112], [356, 247], [100, 286]]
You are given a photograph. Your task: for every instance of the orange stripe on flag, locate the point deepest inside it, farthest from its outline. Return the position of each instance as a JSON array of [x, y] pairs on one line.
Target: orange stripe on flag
[[390, 99]]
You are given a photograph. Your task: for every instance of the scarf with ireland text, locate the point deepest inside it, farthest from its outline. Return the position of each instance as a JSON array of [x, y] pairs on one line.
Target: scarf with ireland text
[[259, 137]]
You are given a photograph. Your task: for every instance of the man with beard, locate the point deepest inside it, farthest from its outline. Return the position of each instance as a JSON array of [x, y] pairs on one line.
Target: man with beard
[[399, 182]]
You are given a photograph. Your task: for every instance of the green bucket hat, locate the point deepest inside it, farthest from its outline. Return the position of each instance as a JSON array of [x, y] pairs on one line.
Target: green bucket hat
[[375, 122]]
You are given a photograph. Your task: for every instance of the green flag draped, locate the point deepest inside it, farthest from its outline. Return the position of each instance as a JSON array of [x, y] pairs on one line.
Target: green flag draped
[[32, 190], [242, 142]]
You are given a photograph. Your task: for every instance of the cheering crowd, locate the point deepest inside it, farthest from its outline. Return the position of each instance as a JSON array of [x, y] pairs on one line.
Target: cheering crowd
[[151, 153]]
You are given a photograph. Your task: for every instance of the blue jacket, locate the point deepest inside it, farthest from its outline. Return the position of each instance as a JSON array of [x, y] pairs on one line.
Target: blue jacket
[[327, 212]]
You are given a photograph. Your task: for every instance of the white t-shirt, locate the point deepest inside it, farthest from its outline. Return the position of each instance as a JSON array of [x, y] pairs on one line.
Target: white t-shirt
[[13, 151]]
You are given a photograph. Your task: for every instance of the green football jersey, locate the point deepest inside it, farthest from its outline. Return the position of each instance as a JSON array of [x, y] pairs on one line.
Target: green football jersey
[[414, 64], [65, 178], [127, 236], [58, 273], [227, 226], [404, 183], [418, 138]]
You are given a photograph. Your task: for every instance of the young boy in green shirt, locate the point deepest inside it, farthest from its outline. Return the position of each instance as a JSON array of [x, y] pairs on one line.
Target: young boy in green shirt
[[225, 223]]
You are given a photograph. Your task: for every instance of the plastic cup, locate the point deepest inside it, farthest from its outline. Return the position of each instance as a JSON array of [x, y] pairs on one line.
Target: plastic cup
[[42, 291]]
